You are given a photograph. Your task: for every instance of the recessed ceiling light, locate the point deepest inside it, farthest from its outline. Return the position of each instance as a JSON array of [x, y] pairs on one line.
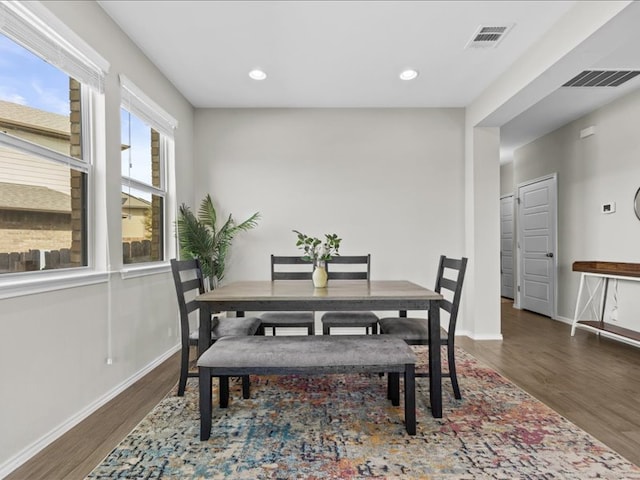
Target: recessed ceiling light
[[409, 74], [257, 74]]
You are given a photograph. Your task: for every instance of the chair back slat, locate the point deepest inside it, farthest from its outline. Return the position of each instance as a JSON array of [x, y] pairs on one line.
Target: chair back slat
[[448, 284], [361, 267], [347, 275], [351, 259], [291, 275], [446, 305], [189, 285], [191, 306], [290, 268], [454, 263], [192, 284], [457, 267]]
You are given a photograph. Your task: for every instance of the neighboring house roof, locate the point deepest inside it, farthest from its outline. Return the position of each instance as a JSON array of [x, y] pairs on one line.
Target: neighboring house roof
[[40, 120], [130, 201], [14, 196]]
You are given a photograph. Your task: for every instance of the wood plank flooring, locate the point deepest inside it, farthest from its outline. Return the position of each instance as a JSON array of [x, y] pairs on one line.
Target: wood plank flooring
[[78, 451], [594, 382]]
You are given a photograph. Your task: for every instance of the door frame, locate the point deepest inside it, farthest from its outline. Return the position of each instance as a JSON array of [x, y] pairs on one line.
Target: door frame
[[513, 242], [518, 237]]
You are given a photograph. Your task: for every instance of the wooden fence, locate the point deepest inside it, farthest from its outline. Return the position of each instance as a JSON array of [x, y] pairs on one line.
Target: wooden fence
[[33, 260]]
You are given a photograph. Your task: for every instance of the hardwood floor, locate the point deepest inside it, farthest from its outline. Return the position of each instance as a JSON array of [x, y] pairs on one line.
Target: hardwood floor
[[78, 451], [594, 382]]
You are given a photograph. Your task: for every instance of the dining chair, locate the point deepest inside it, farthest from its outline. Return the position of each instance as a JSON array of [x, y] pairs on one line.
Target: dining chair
[[189, 283], [288, 268], [415, 331], [358, 268]]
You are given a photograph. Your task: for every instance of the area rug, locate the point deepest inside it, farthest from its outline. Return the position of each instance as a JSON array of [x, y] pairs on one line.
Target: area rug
[[343, 427]]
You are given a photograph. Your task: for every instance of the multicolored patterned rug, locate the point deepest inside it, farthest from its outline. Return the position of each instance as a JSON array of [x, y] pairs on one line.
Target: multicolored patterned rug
[[342, 427]]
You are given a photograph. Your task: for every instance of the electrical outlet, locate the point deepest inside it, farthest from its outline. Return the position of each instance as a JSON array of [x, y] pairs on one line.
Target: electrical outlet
[[109, 361], [170, 332]]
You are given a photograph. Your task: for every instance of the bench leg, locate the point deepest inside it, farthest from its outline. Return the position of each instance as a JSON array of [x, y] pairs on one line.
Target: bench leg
[[410, 398], [246, 387], [224, 391], [393, 388], [205, 403]]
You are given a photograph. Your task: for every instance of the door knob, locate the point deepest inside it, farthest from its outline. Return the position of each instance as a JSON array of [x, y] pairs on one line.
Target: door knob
[[550, 254]]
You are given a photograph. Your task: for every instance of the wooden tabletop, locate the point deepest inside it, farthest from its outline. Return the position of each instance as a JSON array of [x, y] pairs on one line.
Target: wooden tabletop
[[340, 294]]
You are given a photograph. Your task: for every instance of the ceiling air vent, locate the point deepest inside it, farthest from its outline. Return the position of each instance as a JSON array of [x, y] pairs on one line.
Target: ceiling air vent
[[601, 78], [488, 37]]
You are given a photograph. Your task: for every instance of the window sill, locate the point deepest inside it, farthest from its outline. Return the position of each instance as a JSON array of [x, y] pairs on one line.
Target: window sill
[[141, 270], [19, 285]]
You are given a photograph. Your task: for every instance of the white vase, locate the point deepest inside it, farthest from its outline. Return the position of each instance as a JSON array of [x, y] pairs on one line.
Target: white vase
[[320, 276]]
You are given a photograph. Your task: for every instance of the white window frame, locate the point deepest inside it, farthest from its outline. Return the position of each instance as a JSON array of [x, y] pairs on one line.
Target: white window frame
[[135, 101], [34, 27]]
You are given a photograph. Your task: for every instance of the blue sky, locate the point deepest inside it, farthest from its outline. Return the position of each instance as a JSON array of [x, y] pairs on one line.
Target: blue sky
[[28, 80]]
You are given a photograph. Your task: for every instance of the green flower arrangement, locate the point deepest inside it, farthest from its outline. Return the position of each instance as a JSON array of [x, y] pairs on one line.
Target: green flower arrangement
[[315, 250]]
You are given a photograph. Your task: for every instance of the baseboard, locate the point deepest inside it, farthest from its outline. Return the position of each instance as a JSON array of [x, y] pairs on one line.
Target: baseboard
[[497, 336], [564, 319], [472, 336], [27, 453]]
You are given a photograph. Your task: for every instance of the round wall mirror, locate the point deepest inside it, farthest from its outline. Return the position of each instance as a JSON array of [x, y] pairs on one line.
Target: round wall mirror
[[636, 204]]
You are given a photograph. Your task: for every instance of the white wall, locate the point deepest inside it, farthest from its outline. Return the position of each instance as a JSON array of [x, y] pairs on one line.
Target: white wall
[[481, 299], [598, 169], [54, 346], [506, 179], [390, 182]]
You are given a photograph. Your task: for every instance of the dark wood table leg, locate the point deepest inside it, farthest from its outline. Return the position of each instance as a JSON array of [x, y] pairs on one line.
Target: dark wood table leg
[[204, 329], [435, 366], [393, 388], [410, 398], [205, 403], [246, 387], [224, 391]]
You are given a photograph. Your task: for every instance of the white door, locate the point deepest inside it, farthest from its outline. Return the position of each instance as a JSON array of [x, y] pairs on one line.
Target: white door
[[506, 246], [537, 213]]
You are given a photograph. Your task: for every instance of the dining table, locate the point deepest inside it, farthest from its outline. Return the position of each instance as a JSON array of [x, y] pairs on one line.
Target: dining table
[[343, 295]]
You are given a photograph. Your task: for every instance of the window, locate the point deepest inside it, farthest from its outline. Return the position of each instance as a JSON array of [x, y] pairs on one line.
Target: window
[[47, 87], [146, 146]]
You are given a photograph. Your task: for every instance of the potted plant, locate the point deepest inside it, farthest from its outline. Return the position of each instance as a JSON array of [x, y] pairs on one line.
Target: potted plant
[[318, 252], [200, 237]]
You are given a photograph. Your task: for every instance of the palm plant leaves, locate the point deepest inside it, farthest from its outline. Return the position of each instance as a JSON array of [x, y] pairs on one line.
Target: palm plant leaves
[[194, 236], [201, 238]]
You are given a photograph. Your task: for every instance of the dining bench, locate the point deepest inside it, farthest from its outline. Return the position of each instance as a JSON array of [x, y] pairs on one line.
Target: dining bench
[[307, 355]]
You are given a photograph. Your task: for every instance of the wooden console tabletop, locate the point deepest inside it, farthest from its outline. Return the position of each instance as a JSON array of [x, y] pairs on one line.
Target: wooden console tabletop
[[608, 268]]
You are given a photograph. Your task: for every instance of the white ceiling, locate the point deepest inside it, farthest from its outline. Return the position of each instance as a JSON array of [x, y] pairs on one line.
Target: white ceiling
[[348, 53]]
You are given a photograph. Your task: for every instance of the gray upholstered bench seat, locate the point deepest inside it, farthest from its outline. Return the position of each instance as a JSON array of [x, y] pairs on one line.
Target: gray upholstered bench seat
[[307, 355]]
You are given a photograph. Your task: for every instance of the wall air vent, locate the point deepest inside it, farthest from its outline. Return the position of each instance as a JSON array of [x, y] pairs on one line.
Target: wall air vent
[[488, 36], [601, 78]]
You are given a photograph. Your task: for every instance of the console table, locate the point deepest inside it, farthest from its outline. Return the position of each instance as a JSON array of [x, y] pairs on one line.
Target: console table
[[594, 286]]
